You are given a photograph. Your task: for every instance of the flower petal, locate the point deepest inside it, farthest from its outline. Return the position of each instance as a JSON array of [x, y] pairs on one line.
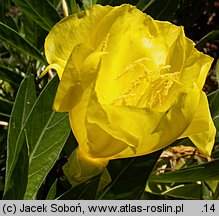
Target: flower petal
[[195, 68], [80, 71], [132, 30], [81, 168], [121, 131], [69, 32], [202, 131], [192, 64], [55, 66], [131, 85], [205, 141]]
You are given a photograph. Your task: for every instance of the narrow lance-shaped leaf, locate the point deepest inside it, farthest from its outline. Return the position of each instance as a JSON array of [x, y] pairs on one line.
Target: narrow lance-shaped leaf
[[47, 132], [4, 117], [73, 7], [33, 32], [213, 99], [144, 4], [52, 191], [216, 123], [203, 172], [85, 191], [19, 175], [14, 39], [55, 3], [207, 38], [4, 9], [115, 2], [159, 9], [42, 12], [6, 107], [186, 191], [217, 71], [88, 3], [129, 176], [23, 103], [10, 76]]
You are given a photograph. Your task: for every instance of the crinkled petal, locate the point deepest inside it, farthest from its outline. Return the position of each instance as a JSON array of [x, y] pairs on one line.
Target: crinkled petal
[[169, 32], [202, 131], [76, 86], [195, 68], [176, 54], [205, 141], [80, 72], [182, 55], [69, 32], [55, 66], [120, 131], [75, 99], [114, 59], [200, 119], [81, 168], [179, 117], [121, 67]]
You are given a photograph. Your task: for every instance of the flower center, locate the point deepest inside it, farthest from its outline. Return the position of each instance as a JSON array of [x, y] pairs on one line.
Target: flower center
[[150, 89]]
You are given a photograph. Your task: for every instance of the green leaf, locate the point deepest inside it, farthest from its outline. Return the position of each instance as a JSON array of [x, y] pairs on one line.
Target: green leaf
[[70, 145], [55, 3], [216, 192], [159, 9], [4, 14], [33, 32], [104, 2], [202, 172], [207, 38], [10, 76], [14, 39], [16, 138], [129, 176], [154, 196], [47, 132], [216, 123], [4, 117], [213, 99], [42, 12], [182, 191], [88, 3], [86, 190], [19, 175], [6, 107], [186, 191], [217, 71], [117, 2], [144, 4], [73, 7], [4, 6], [52, 191], [206, 191]]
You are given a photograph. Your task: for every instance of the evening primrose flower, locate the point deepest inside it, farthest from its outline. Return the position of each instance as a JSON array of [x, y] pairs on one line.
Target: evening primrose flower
[[132, 85]]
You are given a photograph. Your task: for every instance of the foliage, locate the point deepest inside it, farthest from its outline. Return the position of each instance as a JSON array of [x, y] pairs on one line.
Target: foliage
[[35, 141]]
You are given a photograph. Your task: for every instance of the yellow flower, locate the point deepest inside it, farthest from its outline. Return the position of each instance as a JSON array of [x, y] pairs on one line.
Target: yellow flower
[[131, 84]]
